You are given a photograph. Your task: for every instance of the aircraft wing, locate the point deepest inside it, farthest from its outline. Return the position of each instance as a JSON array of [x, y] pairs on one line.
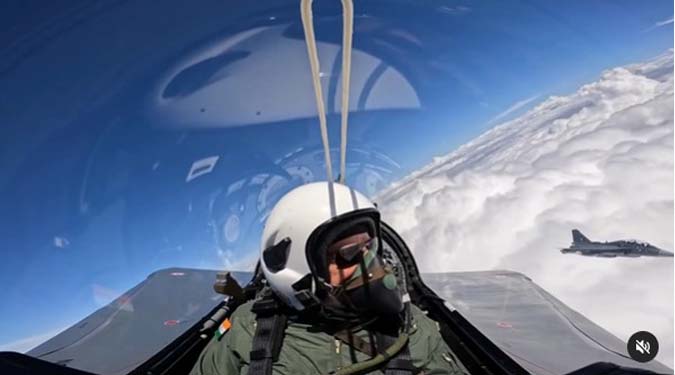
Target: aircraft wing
[[124, 334], [538, 331]]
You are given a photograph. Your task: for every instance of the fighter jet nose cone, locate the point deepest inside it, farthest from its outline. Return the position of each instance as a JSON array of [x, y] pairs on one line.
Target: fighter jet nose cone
[[664, 253]]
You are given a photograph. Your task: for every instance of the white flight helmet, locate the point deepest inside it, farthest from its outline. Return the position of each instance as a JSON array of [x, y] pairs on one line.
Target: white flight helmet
[[296, 233]]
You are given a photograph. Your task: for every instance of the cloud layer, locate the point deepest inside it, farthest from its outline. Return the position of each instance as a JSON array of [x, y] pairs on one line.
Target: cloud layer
[[600, 160], [513, 108]]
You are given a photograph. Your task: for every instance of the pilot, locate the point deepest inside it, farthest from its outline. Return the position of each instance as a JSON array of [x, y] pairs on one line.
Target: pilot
[[330, 303]]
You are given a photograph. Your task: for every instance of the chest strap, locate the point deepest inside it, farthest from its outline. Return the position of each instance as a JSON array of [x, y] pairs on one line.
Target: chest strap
[[393, 357], [269, 336], [357, 342], [402, 363]]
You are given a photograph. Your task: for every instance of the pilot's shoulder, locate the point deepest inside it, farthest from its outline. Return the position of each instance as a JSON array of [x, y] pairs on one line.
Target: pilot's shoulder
[[418, 313], [245, 310], [240, 325], [421, 321], [243, 315]]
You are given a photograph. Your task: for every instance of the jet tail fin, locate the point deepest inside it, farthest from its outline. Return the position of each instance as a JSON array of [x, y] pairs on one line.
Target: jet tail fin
[[577, 237]]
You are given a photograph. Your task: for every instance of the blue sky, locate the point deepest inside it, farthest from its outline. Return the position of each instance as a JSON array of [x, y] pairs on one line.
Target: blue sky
[[509, 52], [497, 59]]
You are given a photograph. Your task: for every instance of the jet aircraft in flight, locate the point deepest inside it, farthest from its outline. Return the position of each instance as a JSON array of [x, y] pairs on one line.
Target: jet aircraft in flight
[[623, 248]]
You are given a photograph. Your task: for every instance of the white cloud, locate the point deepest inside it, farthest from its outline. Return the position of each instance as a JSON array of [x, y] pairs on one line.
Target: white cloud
[[664, 23], [25, 344], [600, 160], [659, 24], [516, 106], [459, 9]]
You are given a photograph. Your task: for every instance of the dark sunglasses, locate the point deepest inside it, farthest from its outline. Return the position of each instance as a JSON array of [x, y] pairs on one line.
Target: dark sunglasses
[[351, 254]]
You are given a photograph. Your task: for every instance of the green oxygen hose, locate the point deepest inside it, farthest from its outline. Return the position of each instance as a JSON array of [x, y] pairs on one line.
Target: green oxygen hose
[[371, 364]]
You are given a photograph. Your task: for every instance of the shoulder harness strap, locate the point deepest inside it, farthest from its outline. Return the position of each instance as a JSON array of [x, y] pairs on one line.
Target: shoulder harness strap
[[269, 334]]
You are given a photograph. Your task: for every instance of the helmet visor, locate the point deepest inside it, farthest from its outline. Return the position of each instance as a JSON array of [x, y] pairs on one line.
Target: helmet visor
[[351, 253], [324, 247]]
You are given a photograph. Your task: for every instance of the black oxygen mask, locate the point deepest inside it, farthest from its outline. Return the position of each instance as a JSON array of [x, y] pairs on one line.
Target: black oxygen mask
[[371, 291]]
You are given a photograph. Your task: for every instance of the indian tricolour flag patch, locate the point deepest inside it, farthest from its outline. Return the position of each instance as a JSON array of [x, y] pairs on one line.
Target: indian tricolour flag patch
[[224, 327]]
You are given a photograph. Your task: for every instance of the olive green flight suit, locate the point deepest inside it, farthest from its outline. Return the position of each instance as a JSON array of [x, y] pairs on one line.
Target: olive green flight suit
[[305, 351]]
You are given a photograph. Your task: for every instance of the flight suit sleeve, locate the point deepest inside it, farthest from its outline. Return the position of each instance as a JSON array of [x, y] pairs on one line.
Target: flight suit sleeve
[[442, 360], [429, 351], [217, 358], [229, 354]]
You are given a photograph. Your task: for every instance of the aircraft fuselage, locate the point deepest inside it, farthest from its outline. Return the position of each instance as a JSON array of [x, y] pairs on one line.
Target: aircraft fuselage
[[582, 246]]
